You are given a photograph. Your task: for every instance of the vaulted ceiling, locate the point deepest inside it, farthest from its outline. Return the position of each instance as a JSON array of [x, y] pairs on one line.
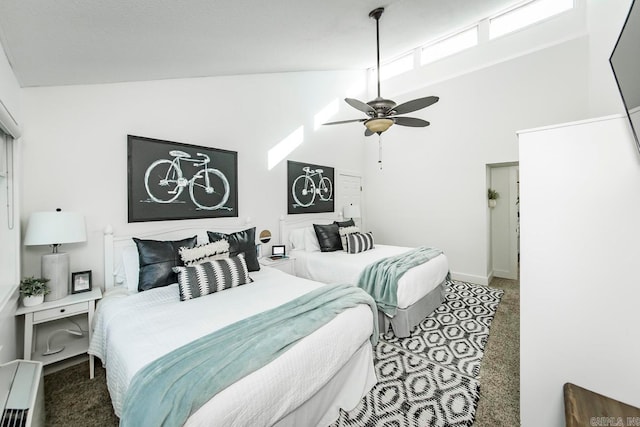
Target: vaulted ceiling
[[100, 41]]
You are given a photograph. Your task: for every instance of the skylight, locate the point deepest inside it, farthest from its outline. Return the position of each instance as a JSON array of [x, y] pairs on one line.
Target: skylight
[[449, 45], [395, 67], [525, 15], [528, 12]]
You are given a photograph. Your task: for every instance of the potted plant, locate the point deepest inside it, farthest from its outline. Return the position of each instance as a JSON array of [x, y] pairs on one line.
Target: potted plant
[[33, 290], [493, 196]]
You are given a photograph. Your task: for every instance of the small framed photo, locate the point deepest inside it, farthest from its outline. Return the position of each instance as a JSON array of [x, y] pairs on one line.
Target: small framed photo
[[80, 282], [278, 251]]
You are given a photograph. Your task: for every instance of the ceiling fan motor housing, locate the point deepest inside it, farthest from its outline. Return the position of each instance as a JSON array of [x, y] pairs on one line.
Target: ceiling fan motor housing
[[382, 106]]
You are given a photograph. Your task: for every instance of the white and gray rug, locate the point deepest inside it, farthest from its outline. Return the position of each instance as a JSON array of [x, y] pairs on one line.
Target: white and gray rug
[[431, 377]]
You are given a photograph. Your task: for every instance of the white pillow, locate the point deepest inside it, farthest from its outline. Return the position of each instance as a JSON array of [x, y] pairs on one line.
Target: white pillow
[[296, 238], [311, 240], [204, 253], [131, 264], [344, 232]]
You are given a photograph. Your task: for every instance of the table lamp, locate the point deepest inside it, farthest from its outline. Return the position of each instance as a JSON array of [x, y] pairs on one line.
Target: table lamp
[[54, 229], [351, 211]]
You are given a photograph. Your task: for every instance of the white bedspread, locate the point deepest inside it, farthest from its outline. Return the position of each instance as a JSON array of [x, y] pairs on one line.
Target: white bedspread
[[342, 267], [132, 330]]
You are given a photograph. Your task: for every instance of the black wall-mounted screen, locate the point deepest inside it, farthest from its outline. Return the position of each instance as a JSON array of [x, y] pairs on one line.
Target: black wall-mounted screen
[[625, 62]]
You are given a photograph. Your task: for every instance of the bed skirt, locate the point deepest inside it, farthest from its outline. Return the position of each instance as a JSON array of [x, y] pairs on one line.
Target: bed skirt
[[344, 391], [407, 318]]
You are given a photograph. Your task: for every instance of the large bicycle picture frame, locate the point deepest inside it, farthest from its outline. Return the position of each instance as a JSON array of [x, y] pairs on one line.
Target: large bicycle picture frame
[[171, 180], [310, 188]]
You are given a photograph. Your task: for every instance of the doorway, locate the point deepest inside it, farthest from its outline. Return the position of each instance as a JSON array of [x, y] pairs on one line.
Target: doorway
[[504, 221]]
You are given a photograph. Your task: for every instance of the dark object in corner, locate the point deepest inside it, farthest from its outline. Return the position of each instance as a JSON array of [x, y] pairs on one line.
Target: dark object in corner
[[626, 68], [581, 406]]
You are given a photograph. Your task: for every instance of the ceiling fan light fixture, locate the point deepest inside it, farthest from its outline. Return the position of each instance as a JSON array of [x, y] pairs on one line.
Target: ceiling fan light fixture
[[378, 125]]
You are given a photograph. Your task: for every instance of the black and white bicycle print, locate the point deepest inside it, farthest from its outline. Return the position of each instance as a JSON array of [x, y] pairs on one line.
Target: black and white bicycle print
[[165, 181], [304, 188], [310, 188], [172, 180]]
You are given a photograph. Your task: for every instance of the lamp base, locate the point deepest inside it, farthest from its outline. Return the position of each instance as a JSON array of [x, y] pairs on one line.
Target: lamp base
[[55, 267]]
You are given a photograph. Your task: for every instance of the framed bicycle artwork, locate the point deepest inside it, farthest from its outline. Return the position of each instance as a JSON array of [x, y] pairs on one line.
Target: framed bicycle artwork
[[171, 180], [309, 188]]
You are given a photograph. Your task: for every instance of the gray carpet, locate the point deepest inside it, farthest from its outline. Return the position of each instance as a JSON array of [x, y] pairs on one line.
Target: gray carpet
[[71, 399], [499, 403]]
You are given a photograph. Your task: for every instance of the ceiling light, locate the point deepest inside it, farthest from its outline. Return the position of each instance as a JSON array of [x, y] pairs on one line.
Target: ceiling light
[[378, 125]]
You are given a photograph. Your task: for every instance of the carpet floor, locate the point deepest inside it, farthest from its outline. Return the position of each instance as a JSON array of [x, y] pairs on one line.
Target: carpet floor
[[71, 399]]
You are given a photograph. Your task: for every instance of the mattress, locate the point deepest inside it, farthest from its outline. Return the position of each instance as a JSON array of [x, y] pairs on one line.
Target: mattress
[[342, 267], [131, 330]]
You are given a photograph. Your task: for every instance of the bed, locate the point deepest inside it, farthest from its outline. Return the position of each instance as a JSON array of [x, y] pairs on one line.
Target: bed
[[419, 291], [306, 385]]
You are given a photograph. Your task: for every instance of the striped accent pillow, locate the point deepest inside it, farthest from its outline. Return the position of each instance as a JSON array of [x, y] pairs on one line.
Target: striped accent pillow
[[214, 276], [359, 242]]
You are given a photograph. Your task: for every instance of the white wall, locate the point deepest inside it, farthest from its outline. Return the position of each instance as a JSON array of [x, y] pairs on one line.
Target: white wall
[[75, 143], [9, 238], [441, 169], [580, 204]]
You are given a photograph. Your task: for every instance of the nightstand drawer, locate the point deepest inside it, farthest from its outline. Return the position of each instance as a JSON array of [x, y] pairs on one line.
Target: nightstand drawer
[[54, 313]]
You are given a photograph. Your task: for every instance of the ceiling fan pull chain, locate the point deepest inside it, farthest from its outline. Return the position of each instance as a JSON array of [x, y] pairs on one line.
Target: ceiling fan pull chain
[[380, 150]]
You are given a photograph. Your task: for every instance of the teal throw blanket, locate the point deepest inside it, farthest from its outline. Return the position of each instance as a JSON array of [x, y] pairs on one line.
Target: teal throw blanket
[[380, 279], [168, 390]]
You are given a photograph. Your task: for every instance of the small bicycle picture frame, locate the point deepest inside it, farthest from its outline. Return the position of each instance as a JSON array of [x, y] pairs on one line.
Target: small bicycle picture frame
[[81, 282], [309, 188]]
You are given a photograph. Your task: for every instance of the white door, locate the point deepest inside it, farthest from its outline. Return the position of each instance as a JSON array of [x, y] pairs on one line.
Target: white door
[[349, 193]]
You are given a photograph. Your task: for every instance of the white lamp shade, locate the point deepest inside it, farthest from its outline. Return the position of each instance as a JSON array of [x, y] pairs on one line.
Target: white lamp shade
[[55, 228], [351, 211]]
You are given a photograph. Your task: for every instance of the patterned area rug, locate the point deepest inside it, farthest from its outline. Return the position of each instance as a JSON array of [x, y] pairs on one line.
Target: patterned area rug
[[431, 377]]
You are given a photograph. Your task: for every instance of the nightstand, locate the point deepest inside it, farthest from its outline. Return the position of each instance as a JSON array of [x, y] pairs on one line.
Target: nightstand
[[283, 264], [47, 322]]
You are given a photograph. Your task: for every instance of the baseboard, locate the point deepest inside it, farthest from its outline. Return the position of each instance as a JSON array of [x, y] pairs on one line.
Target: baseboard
[[478, 280], [63, 364], [503, 274]]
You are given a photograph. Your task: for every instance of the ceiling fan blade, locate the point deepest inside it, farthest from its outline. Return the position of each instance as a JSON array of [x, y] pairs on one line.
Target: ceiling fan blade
[[344, 121], [359, 105], [415, 105], [411, 121]]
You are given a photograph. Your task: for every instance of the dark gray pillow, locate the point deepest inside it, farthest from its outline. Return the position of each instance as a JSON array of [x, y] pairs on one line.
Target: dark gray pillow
[[348, 223], [240, 242], [328, 237], [209, 277], [157, 259]]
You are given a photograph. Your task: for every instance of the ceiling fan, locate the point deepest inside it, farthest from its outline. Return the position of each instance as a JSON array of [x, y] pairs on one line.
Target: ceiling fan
[[382, 113]]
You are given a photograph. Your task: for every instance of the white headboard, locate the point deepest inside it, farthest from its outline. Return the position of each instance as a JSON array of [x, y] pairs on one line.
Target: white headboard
[[292, 222], [117, 245]]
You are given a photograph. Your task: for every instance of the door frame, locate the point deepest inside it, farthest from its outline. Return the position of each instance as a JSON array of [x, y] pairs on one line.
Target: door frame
[[513, 224]]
